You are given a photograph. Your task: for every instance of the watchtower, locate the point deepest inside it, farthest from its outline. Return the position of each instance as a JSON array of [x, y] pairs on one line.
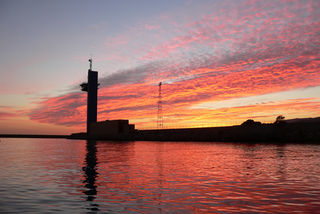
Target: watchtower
[[92, 100]]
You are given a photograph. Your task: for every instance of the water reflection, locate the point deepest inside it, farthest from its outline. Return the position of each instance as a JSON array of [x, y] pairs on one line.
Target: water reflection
[[52, 176], [167, 176], [282, 164], [90, 170], [159, 160]]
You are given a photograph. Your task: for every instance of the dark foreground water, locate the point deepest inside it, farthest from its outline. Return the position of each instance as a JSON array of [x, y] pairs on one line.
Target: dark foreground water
[[57, 175]]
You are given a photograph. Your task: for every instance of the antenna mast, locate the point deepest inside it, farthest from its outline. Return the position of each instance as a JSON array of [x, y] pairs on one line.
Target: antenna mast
[[90, 60], [160, 116]]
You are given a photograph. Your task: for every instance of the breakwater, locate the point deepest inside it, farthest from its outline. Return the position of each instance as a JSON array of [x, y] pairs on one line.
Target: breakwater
[[302, 132], [293, 132], [32, 136]]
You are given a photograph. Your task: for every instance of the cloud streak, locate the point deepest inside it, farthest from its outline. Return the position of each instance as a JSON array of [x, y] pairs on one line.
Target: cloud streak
[[249, 49]]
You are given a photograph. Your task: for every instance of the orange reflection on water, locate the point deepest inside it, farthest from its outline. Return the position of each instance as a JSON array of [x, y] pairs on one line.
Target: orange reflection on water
[[204, 177], [42, 175]]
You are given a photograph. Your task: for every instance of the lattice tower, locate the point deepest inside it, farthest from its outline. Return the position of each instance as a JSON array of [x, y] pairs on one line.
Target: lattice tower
[[160, 116]]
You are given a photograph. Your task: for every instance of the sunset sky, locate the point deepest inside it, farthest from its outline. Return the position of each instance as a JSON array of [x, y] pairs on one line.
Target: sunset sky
[[220, 62]]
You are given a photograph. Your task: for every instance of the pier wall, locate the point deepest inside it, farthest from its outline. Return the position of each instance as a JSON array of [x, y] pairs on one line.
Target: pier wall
[[257, 133], [295, 132]]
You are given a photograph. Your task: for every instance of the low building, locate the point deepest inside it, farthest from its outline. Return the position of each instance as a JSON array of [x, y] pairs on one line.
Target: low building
[[111, 129]]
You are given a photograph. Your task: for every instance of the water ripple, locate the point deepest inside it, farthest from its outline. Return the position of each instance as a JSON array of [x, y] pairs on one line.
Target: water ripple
[[50, 176]]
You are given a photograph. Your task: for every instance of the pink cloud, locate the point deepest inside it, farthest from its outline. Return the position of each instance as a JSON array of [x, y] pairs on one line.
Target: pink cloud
[[249, 49], [5, 115], [152, 26]]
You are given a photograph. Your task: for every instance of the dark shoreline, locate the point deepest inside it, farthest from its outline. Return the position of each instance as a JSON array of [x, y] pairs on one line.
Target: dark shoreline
[[32, 136], [255, 133], [259, 133]]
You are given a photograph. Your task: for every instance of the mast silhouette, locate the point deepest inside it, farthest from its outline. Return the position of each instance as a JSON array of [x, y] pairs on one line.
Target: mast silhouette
[[160, 116]]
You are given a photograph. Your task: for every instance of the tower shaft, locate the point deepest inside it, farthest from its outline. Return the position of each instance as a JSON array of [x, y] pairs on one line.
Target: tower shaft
[[92, 100]]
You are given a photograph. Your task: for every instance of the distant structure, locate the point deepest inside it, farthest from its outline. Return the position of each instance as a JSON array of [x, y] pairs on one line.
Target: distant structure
[[92, 88], [160, 116], [111, 129]]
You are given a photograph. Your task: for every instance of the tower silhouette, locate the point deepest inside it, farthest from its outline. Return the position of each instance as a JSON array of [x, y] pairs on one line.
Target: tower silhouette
[[160, 116], [92, 99]]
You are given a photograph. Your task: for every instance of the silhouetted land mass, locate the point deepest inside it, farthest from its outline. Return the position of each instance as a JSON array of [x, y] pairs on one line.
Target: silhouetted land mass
[[297, 130], [294, 130], [302, 132], [32, 136], [304, 120]]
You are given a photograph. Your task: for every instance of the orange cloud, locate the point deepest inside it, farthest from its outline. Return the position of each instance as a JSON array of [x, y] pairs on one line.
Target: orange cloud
[[263, 48], [138, 101]]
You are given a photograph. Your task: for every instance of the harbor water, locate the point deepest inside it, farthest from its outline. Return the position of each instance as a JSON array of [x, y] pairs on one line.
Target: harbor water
[[78, 176]]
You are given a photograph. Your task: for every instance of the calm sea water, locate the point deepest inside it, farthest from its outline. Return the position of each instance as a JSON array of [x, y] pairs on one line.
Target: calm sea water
[[58, 175]]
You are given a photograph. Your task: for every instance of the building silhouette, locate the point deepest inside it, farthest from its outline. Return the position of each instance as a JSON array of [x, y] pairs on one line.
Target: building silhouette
[[115, 129]]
